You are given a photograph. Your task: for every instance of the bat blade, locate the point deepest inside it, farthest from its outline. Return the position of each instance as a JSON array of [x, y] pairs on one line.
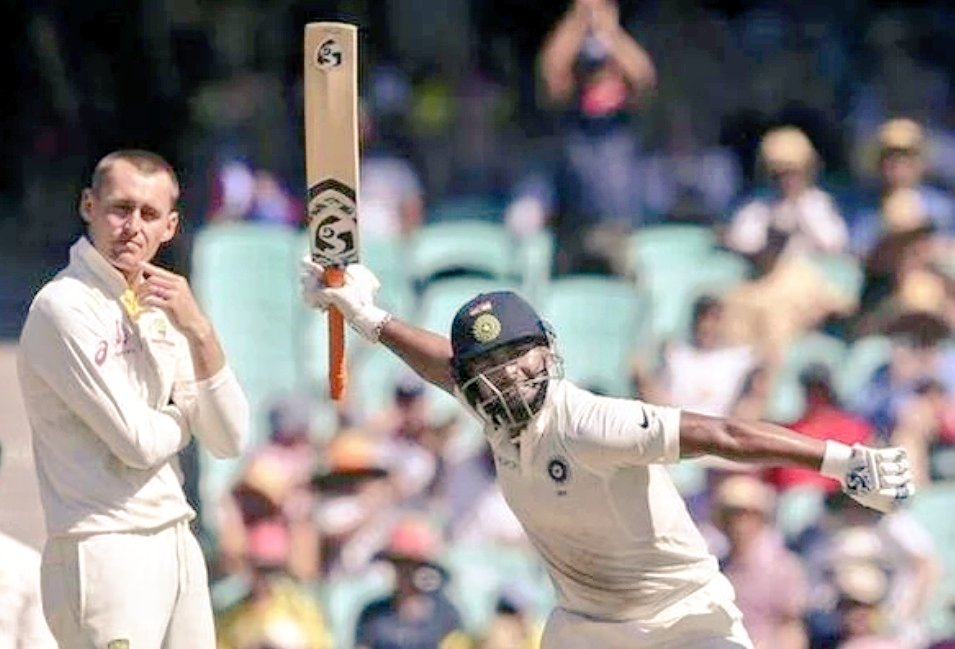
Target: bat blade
[[331, 165]]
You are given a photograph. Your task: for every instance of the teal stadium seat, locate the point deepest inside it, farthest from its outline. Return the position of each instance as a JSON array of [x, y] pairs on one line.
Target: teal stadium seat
[[344, 599], [932, 507], [787, 400], [472, 246], [844, 272], [673, 287], [479, 573], [535, 260], [245, 277], [467, 208], [599, 322], [864, 357], [668, 244]]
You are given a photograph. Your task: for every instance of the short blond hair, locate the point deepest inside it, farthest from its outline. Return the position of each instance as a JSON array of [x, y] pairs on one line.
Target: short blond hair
[[787, 147], [146, 162]]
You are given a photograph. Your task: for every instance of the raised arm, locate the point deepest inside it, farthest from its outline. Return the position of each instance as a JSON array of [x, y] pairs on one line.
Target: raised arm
[[426, 352], [877, 478], [560, 51]]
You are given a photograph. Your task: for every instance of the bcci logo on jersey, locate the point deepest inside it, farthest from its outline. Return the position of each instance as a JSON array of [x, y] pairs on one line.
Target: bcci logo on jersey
[[558, 470]]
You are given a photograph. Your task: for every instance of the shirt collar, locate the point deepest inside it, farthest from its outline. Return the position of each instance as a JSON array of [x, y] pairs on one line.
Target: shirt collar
[[82, 252]]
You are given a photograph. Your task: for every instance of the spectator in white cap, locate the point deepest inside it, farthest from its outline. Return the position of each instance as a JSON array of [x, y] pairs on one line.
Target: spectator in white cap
[[795, 205]]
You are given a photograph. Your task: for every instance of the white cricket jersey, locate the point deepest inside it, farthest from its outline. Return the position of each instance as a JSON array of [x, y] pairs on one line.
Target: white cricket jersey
[[588, 484], [111, 399]]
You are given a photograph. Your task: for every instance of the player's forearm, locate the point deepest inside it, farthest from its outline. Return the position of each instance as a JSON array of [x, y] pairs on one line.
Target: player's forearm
[[207, 355], [427, 353], [221, 419], [748, 441]]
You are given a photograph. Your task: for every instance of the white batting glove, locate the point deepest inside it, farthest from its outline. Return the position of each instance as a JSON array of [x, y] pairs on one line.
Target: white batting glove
[[879, 478], [355, 300]]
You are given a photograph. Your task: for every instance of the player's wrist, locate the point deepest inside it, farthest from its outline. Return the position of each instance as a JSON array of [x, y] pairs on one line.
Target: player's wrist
[[369, 320], [835, 460]]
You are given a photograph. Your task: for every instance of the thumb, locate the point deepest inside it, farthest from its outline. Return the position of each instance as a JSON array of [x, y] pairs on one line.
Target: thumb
[[311, 267]]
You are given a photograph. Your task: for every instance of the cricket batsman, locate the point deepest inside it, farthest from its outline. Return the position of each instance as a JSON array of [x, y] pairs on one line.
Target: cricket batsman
[[585, 474]]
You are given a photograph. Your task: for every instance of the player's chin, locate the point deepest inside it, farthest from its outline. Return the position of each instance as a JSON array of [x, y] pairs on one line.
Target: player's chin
[[127, 261]]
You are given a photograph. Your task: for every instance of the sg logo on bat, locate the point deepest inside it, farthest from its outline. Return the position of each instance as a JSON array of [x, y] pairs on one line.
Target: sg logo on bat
[[332, 223], [328, 55]]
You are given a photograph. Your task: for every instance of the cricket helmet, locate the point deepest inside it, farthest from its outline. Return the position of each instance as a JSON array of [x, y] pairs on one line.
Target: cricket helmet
[[487, 334]]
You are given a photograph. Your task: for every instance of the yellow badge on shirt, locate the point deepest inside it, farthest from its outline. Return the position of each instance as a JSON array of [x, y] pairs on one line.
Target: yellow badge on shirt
[[131, 303], [117, 644]]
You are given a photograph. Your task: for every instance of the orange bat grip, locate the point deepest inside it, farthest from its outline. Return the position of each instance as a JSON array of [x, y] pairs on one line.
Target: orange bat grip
[[337, 372]]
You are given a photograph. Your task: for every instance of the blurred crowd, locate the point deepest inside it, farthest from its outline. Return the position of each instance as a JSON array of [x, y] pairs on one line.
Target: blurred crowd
[[815, 147]]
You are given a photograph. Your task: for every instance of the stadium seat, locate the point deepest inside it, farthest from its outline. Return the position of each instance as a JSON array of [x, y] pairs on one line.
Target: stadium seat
[[345, 598], [797, 508], [674, 288], [535, 259], [932, 507], [245, 277], [864, 357], [668, 244], [467, 208], [844, 272], [479, 573], [451, 247], [374, 375], [599, 322], [787, 400]]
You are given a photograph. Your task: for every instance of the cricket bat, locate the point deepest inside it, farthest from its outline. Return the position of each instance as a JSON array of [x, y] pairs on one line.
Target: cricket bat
[[331, 166]]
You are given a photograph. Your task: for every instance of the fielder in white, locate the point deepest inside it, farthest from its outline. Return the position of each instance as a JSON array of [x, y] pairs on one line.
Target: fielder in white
[[119, 369], [585, 475]]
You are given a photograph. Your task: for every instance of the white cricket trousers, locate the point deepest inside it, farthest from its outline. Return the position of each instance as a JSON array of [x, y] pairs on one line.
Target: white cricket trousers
[[706, 619], [130, 590]]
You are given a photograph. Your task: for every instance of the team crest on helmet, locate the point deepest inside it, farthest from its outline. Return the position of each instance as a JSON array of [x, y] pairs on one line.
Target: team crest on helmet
[[486, 328]]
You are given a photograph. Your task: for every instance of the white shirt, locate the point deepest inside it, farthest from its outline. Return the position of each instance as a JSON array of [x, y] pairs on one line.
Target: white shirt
[[588, 484], [707, 381], [111, 400], [812, 220], [21, 612]]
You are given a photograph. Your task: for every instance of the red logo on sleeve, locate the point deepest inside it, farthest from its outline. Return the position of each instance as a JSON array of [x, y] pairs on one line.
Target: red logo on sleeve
[[101, 349]]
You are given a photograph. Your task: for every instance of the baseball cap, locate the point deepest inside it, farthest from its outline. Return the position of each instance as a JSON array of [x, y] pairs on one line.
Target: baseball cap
[[902, 134], [492, 320]]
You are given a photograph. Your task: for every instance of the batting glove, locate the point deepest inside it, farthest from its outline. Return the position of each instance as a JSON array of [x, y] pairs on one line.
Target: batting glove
[[355, 299], [879, 478]]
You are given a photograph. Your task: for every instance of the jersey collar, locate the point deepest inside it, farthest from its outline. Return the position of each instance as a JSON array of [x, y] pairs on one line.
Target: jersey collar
[[85, 254]]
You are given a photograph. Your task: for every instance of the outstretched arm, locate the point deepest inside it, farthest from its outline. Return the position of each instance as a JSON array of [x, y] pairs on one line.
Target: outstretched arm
[[877, 478]]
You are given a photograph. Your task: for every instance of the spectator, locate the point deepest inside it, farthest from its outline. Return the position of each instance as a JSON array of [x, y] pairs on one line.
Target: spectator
[[390, 194], [918, 356], [758, 563], [904, 273], [823, 418], [900, 147], [21, 608], [924, 425], [416, 614], [242, 192], [357, 503], [897, 543], [787, 297], [861, 589], [795, 206], [276, 613], [592, 64], [705, 374], [513, 624]]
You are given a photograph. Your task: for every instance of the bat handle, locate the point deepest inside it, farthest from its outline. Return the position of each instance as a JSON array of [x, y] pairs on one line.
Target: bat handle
[[337, 372]]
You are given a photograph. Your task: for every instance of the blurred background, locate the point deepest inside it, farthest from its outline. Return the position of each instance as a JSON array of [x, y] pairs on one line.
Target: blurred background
[[738, 208]]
